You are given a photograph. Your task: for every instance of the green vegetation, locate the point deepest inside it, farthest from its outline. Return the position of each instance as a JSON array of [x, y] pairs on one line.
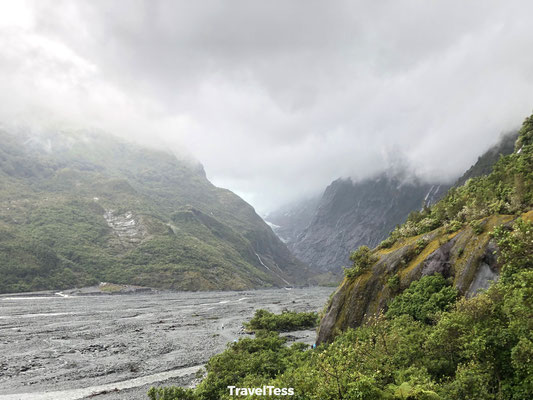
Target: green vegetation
[[424, 299], [394, 283], [247, 363], [486, 161], [429, 345], [284, 322], [477, 227], [420, 245], [110, 288], [362, 259], [516, 247], [174, 229], [171, 393]]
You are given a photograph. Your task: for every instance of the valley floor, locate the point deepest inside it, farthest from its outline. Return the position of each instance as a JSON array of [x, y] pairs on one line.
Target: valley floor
[[86, 346]]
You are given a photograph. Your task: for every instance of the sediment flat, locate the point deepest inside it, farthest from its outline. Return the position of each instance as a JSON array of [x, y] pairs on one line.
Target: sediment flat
[[108, 347]]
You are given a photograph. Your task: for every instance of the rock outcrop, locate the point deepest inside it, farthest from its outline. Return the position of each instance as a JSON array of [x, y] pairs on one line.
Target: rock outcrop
[[467, 258], [128, 230]]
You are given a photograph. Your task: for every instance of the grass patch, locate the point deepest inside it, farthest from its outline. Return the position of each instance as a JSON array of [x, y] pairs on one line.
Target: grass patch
[[110, 288]]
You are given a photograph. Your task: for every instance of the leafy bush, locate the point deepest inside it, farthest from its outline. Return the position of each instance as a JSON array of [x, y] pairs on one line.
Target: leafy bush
[[249, 360], [363, 259], [394, 283], [388, 242], [453, 226], [424, 299], [477, 227], [420, 245], [285, 322], [516, 247]]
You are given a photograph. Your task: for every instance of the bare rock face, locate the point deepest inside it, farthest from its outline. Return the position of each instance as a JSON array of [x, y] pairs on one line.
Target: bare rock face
[[129, 230], [348, 215], [487, 271], [467, 258]]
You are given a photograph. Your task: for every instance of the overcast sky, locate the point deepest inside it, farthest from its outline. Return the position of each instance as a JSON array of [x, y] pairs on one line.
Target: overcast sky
[[277, 98]]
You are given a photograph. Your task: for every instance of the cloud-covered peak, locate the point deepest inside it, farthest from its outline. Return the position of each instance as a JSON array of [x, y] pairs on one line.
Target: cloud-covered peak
[[276, 99]]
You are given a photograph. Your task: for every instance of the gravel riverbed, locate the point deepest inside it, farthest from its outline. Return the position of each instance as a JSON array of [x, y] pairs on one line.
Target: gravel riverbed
[[111, 347]]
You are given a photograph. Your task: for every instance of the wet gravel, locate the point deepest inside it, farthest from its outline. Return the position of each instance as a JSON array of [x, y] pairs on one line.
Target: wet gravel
[[52, 343]]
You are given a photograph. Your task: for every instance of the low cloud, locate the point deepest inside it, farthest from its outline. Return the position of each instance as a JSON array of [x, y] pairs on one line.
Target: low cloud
[[276, 99]]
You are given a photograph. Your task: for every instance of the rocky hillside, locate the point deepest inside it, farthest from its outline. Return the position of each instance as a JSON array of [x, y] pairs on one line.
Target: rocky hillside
[[453, 238], [348, 215], [323, 231], [78, 208]]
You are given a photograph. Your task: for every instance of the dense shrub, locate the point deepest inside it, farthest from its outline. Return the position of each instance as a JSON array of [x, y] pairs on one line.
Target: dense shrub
[[284, 322], [394, 283], [477, 227], [248, 363], [171, 393], [363, 259], [388, 242], [424, 299], [420, 245], [516, 247]]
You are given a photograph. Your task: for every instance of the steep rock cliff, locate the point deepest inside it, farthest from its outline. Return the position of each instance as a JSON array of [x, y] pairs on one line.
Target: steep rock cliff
[[350, 214], [467, 258]]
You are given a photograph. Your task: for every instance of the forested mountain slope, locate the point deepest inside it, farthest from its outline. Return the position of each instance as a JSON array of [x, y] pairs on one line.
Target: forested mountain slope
[[77, 208], [486, 161]]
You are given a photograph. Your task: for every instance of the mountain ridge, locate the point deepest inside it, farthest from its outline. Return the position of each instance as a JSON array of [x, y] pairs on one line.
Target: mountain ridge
[[102, 209], [324, 230], [350, 214]]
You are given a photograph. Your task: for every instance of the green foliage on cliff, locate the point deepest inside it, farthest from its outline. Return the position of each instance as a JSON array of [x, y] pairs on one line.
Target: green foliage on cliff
[[424, 299], [284, 322], [477, 349], [486, 161], [362, 260], [516, 247]]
